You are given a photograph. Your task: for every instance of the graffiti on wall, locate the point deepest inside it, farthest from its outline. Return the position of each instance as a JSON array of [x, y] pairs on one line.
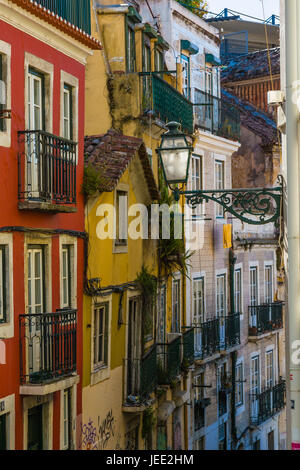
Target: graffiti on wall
[[99, 436]]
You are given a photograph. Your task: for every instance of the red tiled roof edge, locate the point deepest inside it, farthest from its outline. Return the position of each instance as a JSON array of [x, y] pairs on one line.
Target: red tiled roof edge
[[57, 21], [112, 153]]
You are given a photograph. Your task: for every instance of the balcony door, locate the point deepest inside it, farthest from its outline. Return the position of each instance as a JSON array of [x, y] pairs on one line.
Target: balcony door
[[36, 113], [35, 267], [198, 313], [134, 347], [270, 377], [253, 296], [255, 387], [221, 306], [161, 330], [35, 428]]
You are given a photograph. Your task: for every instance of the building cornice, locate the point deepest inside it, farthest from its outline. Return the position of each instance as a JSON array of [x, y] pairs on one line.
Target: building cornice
[[215, 143]]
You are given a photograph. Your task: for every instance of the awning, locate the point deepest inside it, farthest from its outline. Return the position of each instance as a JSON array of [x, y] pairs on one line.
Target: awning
[[189, 46]]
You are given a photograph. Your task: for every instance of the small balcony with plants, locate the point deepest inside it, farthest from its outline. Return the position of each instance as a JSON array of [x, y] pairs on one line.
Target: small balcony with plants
[[265, 319], [140, 381], [46, 172], [48, 350]]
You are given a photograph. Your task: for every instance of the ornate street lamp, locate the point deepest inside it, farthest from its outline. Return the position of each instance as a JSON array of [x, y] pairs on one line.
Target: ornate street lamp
[[257, 206]]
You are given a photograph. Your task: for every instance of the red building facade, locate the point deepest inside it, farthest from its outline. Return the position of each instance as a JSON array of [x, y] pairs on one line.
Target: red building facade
[[42, 239]]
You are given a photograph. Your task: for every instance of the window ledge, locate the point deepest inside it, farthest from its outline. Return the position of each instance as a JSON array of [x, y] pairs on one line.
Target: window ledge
[[100, 374], [45, 207], [45, 389]]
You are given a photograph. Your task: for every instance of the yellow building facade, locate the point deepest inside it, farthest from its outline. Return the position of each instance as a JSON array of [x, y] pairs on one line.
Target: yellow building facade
[[135, 367]]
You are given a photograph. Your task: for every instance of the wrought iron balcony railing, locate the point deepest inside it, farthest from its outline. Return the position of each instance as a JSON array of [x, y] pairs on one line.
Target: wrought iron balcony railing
[[213, 115], [265, 318], [188, 346], [266, 404], [199, 415], [47, 168], [48, 346], [78, 12], [168, 361], [216, 335], [141, 377], [166, 102]]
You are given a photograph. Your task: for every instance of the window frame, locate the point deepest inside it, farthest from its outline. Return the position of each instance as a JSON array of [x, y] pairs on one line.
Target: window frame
[[199, 279], [219, 184], [176, 316], [239, 386], [223, 276], [254, 268], [130, 46], [121, 245], [268, 296], [33, 73], [197, 182], [4, 284], [5, 131], [34, 249], [103, 362], [66, 248], [68, 89], [186, 75], [238, 293]]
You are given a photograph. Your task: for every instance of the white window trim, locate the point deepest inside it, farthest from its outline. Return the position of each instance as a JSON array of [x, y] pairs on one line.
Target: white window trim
[[103, 373], [222, 272], [31, 402], [120, 248], [7, 329], [47, 244], [200, 209], [47, 69], [73, 390], [241, 408], [240, 266], [73, 82], [68, 240], [177, 277], [221, 158], [252, 356], [275, 365], [5, 137], [266, 264], [254, 264], [195, 277], [9, 408]]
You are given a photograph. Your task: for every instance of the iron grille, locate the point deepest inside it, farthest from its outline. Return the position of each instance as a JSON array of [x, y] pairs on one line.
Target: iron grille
[[265, 318]]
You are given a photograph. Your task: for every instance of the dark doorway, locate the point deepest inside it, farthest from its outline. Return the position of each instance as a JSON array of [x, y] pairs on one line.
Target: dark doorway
[[35, 428]]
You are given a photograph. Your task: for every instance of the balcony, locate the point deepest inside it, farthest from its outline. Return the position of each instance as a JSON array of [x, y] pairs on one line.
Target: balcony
[[77, 13], [214, 336], [141, 380], [47, 172], [267, 403], [265, 318], [48, 347], [211, 114], [168, 361], [166, 102]]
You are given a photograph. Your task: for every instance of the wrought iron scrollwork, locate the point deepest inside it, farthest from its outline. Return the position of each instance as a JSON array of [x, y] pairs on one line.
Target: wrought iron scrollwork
[[257, 206]]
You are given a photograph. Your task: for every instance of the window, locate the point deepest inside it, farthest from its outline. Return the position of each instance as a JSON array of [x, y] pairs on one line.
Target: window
[[3, 91], [255, 386], [66, 276], [67, 419], [220, 184], [269, 369], [159, 60], [209, 93], [253, 286], [268, 284], [239, 377], [130, 48], [101, 335], [238, 291], [197, 181], [176, 306], [121, 218], [198, 301], [161, 319], [3, 284], [36, 100], [221, 296], [256, 445], [68, 112], [200, 444], [223, 436], [271, 443], [3, 432], [36, 292], [186, 75]]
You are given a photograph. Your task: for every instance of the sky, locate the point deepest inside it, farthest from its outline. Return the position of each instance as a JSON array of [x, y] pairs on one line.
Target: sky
[[252, 7]]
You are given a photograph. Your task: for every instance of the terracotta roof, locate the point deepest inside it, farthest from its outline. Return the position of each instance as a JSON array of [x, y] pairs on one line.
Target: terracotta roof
[[253, 119], [111, 153], [252, 65], [60, 23]]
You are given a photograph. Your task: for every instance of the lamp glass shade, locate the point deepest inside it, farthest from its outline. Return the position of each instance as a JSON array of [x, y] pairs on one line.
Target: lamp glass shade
[[175, 163]]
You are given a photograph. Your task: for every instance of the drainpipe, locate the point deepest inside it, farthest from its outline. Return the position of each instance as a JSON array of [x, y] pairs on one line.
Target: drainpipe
[[292, 37]]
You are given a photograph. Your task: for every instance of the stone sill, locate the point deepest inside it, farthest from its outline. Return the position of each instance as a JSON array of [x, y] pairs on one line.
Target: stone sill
[[46, 207], [52, 387], [254, 339]]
